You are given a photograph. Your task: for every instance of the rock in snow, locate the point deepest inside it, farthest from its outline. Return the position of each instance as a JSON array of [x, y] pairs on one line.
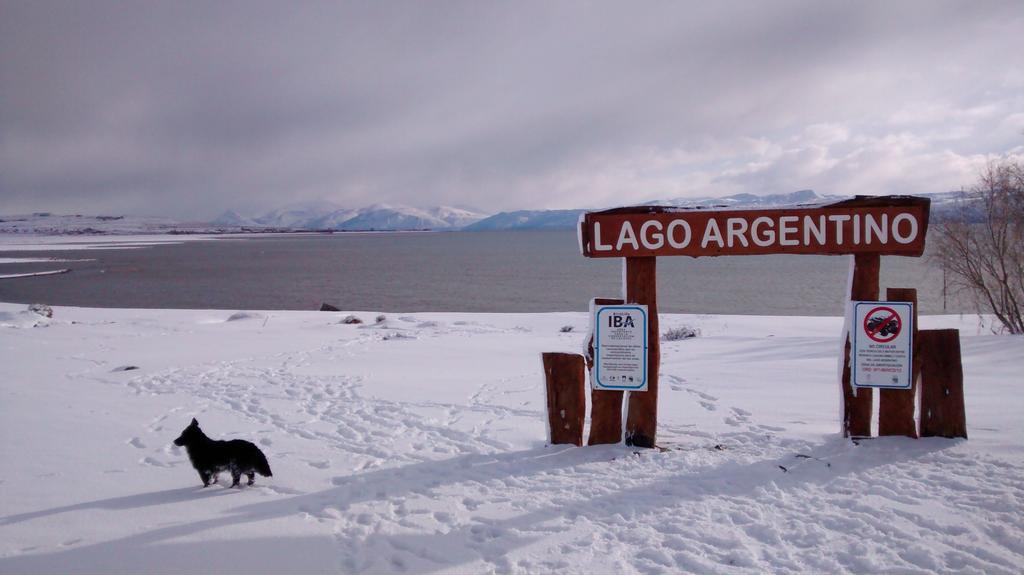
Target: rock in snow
[[41, 309]]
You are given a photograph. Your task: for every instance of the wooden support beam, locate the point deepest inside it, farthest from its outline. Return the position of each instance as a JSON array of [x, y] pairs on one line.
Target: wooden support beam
[[641, 288], [857, 404], [896, 406], [565, 376], [605, 404], [942, 384], [606, 417]]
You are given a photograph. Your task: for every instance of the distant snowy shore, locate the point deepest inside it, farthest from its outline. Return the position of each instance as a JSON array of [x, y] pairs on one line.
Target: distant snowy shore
[[416, 444], [46, 224], [325, 216]]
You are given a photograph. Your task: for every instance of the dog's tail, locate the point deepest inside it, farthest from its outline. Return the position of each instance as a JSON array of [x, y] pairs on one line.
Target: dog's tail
[[262, 467]]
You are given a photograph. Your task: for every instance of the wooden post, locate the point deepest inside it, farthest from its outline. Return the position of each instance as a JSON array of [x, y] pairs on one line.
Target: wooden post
[[606, 417], [857, 408], [605, 404], [565, 377], [641, 288], [896, 406], [942, 384]]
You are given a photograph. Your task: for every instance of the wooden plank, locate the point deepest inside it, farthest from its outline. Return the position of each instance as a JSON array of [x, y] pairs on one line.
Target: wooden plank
[[642, 417], [884, 226], [942, 384], [857, 404], [896, 406], [606, 417], [605, 405], [565, 376]]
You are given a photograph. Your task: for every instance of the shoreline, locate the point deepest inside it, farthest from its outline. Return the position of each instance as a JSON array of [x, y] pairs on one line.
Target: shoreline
[[753, 325]]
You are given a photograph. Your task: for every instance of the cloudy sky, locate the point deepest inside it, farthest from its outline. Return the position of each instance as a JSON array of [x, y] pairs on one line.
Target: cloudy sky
[[186, 108]]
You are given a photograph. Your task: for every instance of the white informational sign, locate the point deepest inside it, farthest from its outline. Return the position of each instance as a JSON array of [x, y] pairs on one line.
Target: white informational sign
[[620, 347], [883, 343]]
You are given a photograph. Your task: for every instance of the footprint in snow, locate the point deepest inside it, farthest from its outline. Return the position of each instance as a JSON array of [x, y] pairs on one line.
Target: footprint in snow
[[675, 382], [124, 368], [152, 462], [136, 443], [279, 490], [739, 417]]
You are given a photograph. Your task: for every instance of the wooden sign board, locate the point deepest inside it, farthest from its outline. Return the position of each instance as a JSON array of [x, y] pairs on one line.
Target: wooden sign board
[[889, 225]]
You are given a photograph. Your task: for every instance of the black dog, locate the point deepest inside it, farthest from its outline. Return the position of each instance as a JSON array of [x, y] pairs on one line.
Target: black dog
[[210, 456]]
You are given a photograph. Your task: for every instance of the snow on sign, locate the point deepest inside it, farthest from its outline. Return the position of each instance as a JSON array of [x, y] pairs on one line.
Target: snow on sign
[[882, 344], [620, 347]]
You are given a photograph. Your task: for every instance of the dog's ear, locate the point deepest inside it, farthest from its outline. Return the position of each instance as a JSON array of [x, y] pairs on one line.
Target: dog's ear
[[194, 422]]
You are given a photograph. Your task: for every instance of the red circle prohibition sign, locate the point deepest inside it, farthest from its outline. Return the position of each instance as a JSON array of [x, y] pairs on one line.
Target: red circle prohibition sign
[[882, 324]]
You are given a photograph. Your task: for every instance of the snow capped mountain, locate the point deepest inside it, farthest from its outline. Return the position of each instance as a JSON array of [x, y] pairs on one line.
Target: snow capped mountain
[[298, 214], [233, 218], [391, 217], [956, 205], [328, 216], [748, 200], [561, 219], [528, 220], [332, 221], [455, 217]]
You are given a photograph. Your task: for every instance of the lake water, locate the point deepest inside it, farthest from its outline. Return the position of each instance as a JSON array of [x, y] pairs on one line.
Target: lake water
[[458, 271]]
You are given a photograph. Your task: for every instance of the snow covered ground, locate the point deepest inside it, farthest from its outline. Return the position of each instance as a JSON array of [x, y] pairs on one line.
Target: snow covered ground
[[417, 445]]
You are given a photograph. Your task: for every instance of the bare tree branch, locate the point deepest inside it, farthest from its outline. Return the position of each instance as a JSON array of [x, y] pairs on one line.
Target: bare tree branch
[[986, 258]]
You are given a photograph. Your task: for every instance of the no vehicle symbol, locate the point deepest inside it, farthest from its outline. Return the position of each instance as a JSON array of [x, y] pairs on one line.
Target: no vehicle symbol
[[882, 324]]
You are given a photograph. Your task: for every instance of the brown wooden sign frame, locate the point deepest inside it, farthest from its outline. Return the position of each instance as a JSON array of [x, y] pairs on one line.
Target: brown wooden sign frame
[[865, 227]]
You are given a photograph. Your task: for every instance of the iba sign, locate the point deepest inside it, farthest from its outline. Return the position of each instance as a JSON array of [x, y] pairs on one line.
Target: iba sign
[[620, 347], [895, 226]]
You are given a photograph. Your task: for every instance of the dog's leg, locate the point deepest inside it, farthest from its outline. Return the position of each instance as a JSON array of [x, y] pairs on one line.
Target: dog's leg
[[236, 475], [252, 477], [205, 477], [214, 477]]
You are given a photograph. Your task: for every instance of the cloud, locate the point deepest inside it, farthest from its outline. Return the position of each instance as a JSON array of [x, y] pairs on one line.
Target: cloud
[[188, 109]]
